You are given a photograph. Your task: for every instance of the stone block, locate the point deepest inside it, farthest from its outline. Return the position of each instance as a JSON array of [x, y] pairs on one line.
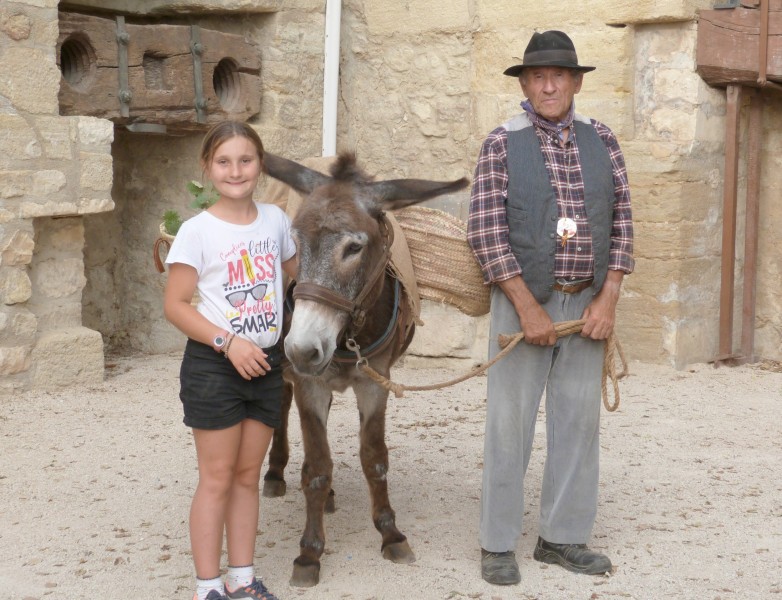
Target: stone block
[[518, 16], [495, 51], [14, 359], [32, 80], [15, 286], [18, 141], [32, 184], [18, 250], [67, 356], [709, 125], [677, 86], [59, 278], [31, 210], [24, 324], [47, 182], [89, 206], [652, 158], [16, 26], [46, 30], [55, 137], [176, 7], [645, 345], [63, 238], [93, 133], [683, 239], [480, 344], [446, 332], [15, 184], [691, 340], [390, 18], [38, 3], [637, 310], [665, 203], [635, 12], [690, 283], [674, 122], [96, 172]]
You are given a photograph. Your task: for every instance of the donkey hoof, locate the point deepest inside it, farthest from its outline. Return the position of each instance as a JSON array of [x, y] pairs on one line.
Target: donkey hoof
[[305, 575], [274, 488], [399, 552], [331, 505]]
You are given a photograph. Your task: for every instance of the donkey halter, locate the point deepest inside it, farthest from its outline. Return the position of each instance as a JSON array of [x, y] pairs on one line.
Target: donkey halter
[[357, 308]]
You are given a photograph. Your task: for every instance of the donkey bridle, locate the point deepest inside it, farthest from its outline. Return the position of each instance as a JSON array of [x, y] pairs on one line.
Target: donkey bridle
[[356, 309]]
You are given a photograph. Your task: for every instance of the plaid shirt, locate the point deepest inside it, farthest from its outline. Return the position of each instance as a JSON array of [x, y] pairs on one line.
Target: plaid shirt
[[487, 227]]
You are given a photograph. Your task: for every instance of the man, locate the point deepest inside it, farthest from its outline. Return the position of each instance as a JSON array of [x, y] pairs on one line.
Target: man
[[551, 226]]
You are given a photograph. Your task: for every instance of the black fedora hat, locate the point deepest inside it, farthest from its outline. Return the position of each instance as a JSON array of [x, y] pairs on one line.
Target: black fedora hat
[[548, 49]]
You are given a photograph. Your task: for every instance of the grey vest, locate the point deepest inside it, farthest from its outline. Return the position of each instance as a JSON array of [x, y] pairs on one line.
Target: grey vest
[[532, 204]]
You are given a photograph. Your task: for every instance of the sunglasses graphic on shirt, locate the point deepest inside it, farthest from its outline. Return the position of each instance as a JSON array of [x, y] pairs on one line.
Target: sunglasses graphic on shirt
[[240, 297]]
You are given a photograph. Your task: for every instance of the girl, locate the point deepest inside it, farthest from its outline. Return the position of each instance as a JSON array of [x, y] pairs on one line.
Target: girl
[[231, 379]]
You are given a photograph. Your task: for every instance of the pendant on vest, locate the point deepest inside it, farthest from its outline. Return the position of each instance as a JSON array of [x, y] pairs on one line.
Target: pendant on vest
[[566, 229]]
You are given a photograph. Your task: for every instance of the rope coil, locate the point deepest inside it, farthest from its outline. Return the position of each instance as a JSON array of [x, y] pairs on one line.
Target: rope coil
[[507, 343]]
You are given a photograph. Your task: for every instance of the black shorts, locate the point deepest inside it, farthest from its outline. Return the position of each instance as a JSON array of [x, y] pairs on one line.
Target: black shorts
[[215, 396]]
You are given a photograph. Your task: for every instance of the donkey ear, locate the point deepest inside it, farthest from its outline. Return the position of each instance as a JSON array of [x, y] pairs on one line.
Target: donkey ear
[[299, 177], [398, 193]]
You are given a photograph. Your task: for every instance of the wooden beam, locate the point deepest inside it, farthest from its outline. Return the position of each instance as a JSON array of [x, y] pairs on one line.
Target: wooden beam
[[751, 228], [730, 42], [730, 190], [160, 81]]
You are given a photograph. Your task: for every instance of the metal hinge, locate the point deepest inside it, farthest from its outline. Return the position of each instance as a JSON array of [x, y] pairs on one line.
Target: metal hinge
[[125, 95], [196, 49]]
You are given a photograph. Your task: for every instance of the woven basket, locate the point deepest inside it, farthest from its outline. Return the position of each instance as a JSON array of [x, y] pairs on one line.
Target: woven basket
[[167, 239], [164, 234], [445, 267]]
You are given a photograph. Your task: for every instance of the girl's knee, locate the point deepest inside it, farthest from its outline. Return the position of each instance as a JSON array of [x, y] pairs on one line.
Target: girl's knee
[[217, 481], [248, 477]]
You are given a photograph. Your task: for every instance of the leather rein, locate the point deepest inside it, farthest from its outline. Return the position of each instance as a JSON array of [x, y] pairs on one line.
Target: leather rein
[[357, 309]]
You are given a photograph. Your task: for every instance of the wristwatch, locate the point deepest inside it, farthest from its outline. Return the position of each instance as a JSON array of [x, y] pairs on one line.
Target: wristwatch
[[219, 342]]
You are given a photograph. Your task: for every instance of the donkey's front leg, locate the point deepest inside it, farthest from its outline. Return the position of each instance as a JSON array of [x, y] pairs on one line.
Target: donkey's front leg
[[313, 403], [274, 480], [374, 461]]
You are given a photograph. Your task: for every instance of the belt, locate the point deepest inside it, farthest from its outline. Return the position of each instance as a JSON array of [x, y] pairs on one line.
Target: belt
[[572, 287]]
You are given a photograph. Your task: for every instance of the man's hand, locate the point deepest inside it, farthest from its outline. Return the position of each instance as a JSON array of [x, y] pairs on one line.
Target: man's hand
[[535, 322], [600, 315]]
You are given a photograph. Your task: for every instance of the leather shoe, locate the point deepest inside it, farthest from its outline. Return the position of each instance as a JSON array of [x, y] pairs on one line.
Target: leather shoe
[[574, 557], [500, 568]]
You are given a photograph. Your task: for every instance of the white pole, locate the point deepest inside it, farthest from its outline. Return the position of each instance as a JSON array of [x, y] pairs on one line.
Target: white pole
[[331, 76]]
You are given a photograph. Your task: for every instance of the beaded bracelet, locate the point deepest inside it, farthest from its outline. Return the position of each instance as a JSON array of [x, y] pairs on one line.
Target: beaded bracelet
[[228, 343]]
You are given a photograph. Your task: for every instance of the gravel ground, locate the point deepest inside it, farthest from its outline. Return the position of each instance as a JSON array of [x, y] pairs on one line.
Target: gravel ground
[[96, 481]]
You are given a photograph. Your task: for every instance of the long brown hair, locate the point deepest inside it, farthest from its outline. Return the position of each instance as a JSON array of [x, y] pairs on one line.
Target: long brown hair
[[224, 131]]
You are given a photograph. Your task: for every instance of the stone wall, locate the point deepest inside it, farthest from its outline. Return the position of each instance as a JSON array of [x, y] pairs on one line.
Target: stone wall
[[425, 86], [53, 171], [421, 84]]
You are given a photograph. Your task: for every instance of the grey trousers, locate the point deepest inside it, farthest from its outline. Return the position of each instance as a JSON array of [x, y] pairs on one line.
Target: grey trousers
[[570, 372]]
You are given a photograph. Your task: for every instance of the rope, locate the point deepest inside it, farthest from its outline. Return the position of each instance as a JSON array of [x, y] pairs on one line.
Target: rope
[[508, 343]]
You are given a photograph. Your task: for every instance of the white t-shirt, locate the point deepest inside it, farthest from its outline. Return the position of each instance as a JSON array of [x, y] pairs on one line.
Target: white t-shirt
[[239, 270]]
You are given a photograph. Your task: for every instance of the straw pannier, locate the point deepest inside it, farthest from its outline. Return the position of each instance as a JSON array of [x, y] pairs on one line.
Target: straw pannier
[[164, 234], [445, 267], [166, 239]]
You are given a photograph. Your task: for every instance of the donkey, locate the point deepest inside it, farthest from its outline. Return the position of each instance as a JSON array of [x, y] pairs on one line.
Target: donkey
[[349, 310]]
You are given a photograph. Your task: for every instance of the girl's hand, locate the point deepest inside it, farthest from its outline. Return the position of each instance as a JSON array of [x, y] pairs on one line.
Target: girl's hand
[[247, 358]]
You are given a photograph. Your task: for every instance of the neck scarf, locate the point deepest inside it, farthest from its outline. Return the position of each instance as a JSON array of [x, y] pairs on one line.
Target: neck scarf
[[547, 125]]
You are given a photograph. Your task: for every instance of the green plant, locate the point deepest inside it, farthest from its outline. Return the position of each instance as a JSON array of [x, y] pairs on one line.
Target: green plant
[[172, 221], [203, 197]]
